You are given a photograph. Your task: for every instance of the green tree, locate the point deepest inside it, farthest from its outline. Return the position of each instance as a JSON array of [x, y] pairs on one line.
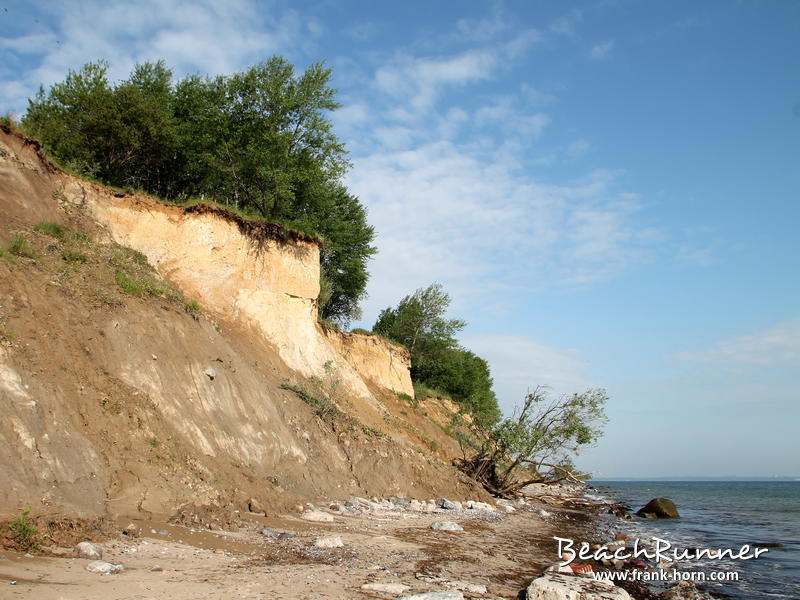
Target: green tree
[[545, 432]]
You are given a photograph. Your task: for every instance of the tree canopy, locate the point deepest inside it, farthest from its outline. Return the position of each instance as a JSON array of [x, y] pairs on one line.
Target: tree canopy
[[259, 141], [437, 360]]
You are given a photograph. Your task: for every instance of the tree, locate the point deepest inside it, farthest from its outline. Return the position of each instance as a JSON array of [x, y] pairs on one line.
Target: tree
[[545, 432], [437, 360]]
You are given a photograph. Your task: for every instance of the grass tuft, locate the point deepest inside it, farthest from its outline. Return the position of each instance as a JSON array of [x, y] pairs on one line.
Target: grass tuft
[[20, 246], [74, 256], [52, 229], [24, 534]]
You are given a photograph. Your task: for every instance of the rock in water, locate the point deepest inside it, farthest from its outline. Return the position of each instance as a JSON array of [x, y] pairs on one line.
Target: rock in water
[[662, 508], [446, 526], [88, 550], [104, 568], [553, 586]]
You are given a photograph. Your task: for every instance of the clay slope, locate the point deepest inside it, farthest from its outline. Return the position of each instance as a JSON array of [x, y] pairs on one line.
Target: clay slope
[[119, 398]]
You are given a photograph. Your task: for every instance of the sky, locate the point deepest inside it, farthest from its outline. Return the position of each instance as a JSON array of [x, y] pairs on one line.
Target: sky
[[608, 190]]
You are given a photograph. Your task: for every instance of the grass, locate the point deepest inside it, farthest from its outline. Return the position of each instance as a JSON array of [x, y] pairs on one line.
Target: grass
[[24, 534], [6, 333], [52, 229], [193, 308], [74, 256], [423, 391], [20, 246], [140, 285]]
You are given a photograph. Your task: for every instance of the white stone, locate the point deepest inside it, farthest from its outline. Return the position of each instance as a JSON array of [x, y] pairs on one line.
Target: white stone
[[543, 513], [104, 568], [506, 508], [88, 550], [386, 588], [435, 596], [554, 586], [446, 526], [317, 516], [333, 541]]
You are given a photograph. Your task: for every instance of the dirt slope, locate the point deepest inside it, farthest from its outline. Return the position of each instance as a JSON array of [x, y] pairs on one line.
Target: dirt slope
[[118, 398]]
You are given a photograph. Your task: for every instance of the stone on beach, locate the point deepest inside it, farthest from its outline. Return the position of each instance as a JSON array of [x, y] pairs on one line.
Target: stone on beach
[[446, 526], [317, 516], [435, 596], [333, 541], [88, 550], [554, 586], [386, 588], [104, 568]]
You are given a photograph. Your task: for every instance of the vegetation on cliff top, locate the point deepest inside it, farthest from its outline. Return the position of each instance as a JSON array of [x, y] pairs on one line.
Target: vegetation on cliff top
[[258, 141]]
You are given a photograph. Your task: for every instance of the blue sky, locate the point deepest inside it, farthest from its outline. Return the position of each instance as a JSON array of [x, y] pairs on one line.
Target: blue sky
[[609, 190]]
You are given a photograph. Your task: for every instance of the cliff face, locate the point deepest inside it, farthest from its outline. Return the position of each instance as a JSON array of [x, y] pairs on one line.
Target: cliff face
[[117, 404]]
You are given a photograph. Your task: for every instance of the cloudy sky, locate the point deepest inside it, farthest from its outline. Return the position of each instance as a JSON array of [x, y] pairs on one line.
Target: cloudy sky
[[608, 189]]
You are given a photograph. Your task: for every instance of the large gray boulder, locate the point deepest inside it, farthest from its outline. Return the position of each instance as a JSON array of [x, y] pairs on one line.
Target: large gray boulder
[[554, 586], [659, 508]]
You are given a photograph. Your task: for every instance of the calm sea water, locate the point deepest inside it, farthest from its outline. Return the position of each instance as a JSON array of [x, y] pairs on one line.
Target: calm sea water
[[725, 515]]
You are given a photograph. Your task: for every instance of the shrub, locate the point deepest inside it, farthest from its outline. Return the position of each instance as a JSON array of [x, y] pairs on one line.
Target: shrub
[[24, 534], [193, 308], [73, 256]]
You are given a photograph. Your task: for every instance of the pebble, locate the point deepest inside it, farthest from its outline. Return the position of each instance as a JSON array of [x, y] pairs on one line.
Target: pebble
[[88, 550], [104, 568], [446, 526]]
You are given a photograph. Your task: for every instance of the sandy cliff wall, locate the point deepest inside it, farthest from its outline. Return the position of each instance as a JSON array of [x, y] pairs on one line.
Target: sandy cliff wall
[[108, 407], [376, 360]]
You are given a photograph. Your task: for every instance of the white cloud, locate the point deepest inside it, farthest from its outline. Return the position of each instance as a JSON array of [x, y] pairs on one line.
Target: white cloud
[[601, 51], [578, 147], [567, 24], [777, 346], [520, 363], [205, 36]]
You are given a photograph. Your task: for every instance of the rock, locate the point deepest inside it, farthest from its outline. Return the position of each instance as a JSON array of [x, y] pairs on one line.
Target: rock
[[555, 586], [661, 508], [278, 535], [386, 588], [131, 530], [333, 541], [543, 513], [465, 586], [446, 526], [254, 506], [401, 502], [317, 516], [434, 596], [104, 568], [156, 569], [88, 550], [210, 373], [446, 504]]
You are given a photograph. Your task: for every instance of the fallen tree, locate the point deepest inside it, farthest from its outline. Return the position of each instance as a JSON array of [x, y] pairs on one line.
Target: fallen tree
[[536, 444]]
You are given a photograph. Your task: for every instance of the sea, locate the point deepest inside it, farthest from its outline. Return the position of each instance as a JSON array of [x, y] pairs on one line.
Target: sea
[[722, 515]]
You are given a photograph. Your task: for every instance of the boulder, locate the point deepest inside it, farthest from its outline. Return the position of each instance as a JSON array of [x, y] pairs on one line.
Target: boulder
[[446, 504], [555, 586], [254, 506], [446, 526], [661, 508], [104, 568], [88, 550]]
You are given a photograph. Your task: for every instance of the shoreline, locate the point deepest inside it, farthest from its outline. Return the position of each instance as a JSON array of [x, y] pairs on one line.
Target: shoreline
[[497, 555]]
